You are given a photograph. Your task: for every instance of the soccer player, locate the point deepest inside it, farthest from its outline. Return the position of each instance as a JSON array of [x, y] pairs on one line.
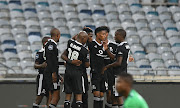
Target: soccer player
[[85, 76], [76, 57], [52, 77], [97, 55], [133, 99], [120, 64], [40, 64]]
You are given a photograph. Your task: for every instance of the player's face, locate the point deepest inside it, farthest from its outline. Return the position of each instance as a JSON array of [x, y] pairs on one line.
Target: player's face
[[117, 37], [85, 40], [102, 35], [120, 85], [90, 37]]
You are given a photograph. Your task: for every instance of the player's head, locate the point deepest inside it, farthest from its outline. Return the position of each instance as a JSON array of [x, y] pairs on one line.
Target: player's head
[[44, 40], [124, 82], [101, 33], [82, 37], [120, 35], [89, 32], [55, 34]]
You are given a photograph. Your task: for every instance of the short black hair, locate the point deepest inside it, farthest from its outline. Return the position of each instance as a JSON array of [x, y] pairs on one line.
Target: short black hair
[[101, 28], [126, 77], [87, 30], [122, 32]]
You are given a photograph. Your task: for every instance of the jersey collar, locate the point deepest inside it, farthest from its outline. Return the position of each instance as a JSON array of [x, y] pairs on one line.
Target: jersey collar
[[122, 43], [78, 43], [52, 41], [41, 50], [97, 42]]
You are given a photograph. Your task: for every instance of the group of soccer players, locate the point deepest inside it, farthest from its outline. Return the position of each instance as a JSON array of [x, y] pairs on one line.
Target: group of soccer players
[[108, 63]]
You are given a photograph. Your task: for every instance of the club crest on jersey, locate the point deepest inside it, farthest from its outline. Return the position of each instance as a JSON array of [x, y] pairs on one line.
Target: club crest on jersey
[[100, 52], [50, 47]]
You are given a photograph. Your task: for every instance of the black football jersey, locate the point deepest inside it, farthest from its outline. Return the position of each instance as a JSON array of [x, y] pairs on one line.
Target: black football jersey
[[51, 56], [77, 51], [123, 49], [112, 47], [97, 55], [39, 58]]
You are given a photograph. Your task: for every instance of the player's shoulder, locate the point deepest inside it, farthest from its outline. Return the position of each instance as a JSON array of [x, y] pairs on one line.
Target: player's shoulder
[[50, 44], [70, 40], [112, 43]]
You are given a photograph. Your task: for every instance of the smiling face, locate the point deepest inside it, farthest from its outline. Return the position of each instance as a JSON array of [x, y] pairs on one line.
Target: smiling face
[[102, 35]]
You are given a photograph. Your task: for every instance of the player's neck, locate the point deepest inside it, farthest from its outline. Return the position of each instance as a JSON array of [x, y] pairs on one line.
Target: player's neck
[[99, 41], [53, 38], [126, 93]]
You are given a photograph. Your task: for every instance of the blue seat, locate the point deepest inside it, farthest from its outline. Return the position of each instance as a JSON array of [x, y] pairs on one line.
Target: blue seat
[[19, 10], [136, 4], [174, 67], [35, 33], [93, 27], [101, 12], [153, 13], [31, 9], [66, 35], [12, 42], [142, 52], [43, 3], [145, 66], [15, 2], [173, 1], [86, 11], [172, 28], [13, 50], [4, 2], [176, 45]]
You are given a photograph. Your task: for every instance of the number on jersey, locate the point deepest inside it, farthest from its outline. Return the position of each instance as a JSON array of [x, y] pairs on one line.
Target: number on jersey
[[73, 55]]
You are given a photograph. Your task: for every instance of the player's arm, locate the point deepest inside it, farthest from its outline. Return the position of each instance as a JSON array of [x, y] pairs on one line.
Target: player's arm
[[86, 59], [65, 58], [37, 60], [109, 53]]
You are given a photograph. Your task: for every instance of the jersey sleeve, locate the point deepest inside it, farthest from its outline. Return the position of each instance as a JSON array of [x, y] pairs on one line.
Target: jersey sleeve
[[68, 44], [51, 57], [86, 56], [37, 57], [120, 51]]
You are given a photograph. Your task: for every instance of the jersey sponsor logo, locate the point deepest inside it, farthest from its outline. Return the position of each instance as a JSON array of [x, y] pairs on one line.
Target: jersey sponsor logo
[[75, 47], [50, 47], [37, 56]]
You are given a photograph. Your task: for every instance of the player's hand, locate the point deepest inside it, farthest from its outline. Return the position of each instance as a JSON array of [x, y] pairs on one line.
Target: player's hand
[[44, 64], [105, 45], [76, 62], [104, 69], [131, 59], [54, 77], [62, 80]]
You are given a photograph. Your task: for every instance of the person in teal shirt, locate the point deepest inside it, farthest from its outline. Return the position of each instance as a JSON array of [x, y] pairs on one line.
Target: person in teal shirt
[[133, 99]]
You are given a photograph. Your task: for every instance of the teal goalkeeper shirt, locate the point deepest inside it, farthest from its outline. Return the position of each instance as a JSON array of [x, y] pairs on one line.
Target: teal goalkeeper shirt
[[135, 100]]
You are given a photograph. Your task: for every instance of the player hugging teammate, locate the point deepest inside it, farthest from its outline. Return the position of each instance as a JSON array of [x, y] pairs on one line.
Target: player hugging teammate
[[106, 59]]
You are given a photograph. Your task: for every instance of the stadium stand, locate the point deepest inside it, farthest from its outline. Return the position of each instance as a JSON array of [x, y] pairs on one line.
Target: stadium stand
[[152, 30]]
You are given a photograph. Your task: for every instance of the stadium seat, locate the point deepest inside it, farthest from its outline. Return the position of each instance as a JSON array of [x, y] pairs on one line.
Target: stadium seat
[[167, 56]]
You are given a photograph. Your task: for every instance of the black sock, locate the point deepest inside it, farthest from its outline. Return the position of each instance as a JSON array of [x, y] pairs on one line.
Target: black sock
[[35, 105], [66, 104], [108, 105], [115, 106], [79, 104], [96, 102], [101, 102], [52, 106]]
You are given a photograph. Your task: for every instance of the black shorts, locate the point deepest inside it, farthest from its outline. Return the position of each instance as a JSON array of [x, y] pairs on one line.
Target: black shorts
[[73, 82], [98, 82], [110, 78], [41, 86], [86, 84], [50, 86]]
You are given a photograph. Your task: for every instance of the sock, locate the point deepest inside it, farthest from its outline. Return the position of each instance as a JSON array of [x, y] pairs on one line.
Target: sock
[[35, 105], [101, 102], [52, 106], [66, 104], [96, 102], [79, 104], [108, 105], [120, 106], [115, 106]]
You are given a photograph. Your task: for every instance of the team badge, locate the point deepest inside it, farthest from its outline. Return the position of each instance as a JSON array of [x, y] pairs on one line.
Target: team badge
[[37, 56], [50, 47]]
